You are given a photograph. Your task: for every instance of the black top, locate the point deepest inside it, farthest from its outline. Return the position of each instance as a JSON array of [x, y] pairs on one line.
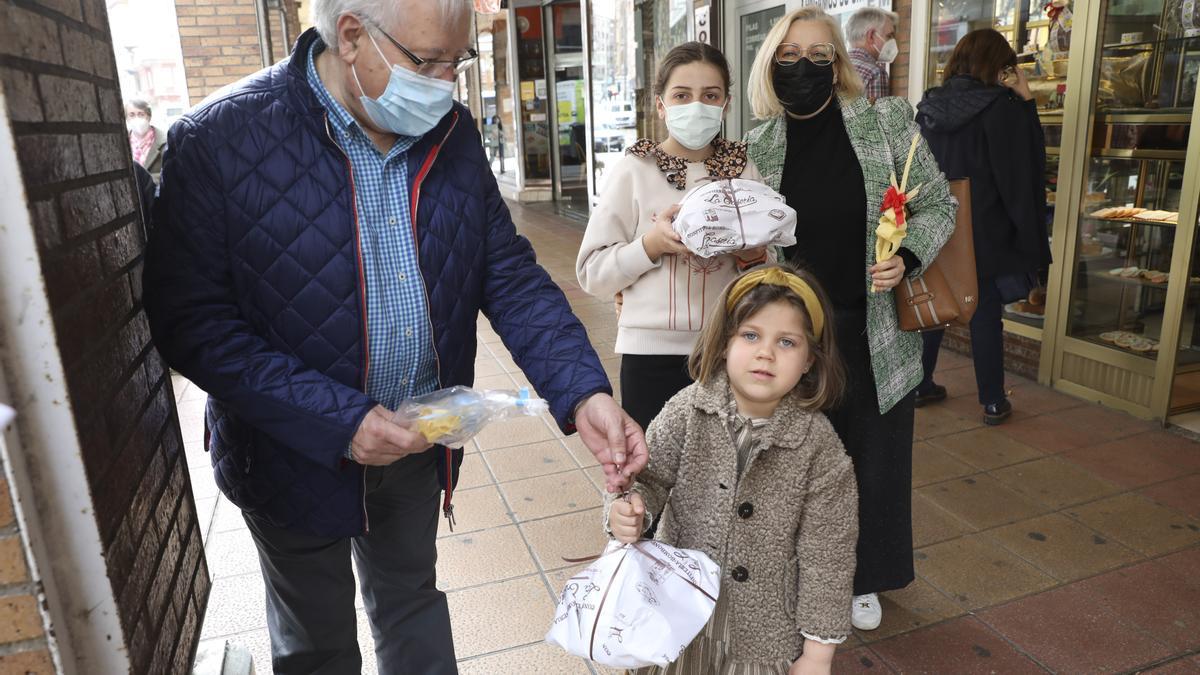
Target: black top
[[990, 135], [823, 181]]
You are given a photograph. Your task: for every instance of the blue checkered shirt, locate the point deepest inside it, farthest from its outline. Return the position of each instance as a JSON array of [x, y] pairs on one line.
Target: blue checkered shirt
[[400, 339]]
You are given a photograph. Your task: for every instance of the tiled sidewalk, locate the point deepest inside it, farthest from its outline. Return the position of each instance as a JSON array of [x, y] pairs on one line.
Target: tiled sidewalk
[[1067, 540]]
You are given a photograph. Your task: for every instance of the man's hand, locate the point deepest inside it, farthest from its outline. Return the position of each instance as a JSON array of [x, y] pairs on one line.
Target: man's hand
[[662, 239], [380, 442], [614, 438], [1017, 80], [887, 274], [627, 519]]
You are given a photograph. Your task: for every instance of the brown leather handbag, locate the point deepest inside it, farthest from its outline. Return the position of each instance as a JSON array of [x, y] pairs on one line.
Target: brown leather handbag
[[947, 291]]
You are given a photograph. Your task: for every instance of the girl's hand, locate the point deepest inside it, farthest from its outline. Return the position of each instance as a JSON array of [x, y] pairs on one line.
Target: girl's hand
[[817, 659], [619, 302], [887, 274], [627, 519], [751, 254], [662, 239]]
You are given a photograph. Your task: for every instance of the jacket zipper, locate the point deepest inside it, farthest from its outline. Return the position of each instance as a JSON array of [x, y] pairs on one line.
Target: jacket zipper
[[447, 505], [362, 287]]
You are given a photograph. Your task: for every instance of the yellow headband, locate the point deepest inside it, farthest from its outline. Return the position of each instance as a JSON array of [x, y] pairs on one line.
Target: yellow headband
[[775, 276]]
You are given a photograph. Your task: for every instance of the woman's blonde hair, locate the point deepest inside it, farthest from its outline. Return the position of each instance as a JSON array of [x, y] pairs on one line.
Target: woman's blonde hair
[[764, 102], [822, 386]]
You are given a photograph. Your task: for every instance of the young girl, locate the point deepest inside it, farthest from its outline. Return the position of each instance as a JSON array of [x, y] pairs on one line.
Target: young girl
[[667, 294], [746, 468]]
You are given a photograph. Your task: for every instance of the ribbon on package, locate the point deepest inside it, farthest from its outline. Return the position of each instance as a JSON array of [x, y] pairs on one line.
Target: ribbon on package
[[893, 219]]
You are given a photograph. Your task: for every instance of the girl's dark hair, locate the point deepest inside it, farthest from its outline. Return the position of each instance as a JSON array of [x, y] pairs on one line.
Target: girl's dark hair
[[821, 387], [691, 52], [982, 54]]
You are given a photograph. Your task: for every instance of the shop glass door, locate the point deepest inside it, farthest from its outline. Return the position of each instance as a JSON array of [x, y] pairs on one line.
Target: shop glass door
[[564, 22], [499, 120], [533, 95]]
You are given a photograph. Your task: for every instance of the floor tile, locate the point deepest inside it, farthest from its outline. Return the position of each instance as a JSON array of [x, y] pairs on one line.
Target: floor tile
[[231, 553], [1111, 423], [1185, 563], [235, 605], [519, 431], [932, 523], [551, 495], [1180, 666], [986, 448], [473, 473], [982, 501], [977, 572], [1139, 523], [1067, 632], [476, 509], [579, 451], [932, 422], [858, 660], [1154, 598], [205, 509], [574, 535], [499, 616], [500, 380], [911, 608], [482, 557], [1127, 462], [535, 658], [528, 461], [1052, 434], [227, 517], [1055, 482], [1063, 548], [487, 367], [962, 646], [1040, 400], [1182, 494], [959, 382], [931, 464]]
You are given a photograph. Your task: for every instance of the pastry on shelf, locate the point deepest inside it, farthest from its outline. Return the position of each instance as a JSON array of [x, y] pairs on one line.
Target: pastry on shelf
[[1117, 212], [1155, 276], [1158, 216], [1126, 272], [1130, 341]]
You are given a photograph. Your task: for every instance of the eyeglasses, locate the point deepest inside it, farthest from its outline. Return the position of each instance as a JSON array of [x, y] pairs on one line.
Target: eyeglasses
[[820, 54], [434, 67]]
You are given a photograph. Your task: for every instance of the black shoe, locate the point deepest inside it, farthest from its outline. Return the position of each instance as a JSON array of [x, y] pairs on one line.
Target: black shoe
[[996, 413], [936, 393]]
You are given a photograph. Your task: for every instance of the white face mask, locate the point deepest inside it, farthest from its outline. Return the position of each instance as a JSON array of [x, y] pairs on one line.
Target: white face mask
[[694, 125], [889, 51], [138, 125]]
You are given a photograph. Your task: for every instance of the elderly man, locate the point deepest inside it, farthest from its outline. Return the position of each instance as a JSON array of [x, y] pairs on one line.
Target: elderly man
[[327, 232], [871, 34]]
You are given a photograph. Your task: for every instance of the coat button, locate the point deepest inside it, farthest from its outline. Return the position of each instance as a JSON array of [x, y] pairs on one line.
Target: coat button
[[740, 574], [746, 510]]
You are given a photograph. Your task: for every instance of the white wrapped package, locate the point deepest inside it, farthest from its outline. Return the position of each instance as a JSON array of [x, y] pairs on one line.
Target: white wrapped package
[[734, 214], [636, 605]]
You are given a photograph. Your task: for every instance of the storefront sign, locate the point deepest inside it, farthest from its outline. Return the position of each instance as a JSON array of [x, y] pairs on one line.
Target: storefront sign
[[528, 91], [702, 27]]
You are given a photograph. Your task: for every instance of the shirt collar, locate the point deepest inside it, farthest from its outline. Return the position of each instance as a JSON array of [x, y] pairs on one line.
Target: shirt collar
[[861, 54], [341, 118]]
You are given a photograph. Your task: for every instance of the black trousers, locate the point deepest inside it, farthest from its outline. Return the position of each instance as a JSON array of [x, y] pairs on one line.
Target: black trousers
[[987, 346], [648, 381], [310, 587], [880, 445]]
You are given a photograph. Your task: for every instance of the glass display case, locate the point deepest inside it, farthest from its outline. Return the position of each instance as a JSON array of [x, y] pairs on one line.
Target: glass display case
[[1126, 294]]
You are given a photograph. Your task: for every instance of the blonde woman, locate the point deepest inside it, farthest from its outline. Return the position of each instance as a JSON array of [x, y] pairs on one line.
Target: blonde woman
[[830, 153]]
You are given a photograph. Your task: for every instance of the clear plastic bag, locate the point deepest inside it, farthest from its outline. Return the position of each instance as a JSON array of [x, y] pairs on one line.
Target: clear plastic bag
[[454, 416]]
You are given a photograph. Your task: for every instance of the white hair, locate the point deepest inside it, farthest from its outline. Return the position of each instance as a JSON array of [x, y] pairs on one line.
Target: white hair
[[864, 20], [324, 14]]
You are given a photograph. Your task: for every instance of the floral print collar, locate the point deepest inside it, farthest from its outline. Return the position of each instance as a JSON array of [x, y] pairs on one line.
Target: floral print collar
[[728, 160]]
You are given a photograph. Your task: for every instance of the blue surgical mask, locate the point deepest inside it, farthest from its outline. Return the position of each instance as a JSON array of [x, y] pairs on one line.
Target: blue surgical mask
[[694, 125], [411, 104]]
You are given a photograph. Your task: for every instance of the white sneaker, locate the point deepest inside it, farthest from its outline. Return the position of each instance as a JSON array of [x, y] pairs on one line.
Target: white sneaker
[[866, 612]]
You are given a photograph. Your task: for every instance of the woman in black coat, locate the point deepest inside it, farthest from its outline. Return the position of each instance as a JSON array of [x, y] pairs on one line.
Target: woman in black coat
[[982, 124]]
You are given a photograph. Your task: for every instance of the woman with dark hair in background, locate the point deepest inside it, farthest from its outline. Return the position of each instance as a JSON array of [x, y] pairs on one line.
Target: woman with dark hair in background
[[982, 124]]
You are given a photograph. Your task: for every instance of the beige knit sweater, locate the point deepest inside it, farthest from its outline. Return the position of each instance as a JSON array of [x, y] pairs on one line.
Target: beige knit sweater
[[665, 302], [784, 533]]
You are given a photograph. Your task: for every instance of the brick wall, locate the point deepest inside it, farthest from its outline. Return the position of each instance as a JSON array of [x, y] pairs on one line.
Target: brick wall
[[1021, 355], [220, 41], [58, 72], [899, 71], [22, 636]]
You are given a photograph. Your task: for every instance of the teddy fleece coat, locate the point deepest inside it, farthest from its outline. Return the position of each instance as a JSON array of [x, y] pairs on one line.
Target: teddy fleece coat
[[784, 533]]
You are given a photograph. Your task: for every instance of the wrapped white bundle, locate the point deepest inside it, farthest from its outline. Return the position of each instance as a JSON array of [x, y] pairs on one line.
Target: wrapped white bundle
[[734, 214], [636, 605]]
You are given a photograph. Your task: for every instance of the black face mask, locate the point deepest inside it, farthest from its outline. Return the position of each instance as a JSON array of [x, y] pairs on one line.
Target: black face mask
[[803, 87]]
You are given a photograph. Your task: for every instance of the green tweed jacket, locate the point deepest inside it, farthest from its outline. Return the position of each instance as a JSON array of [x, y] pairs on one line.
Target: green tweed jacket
[[881, 135]]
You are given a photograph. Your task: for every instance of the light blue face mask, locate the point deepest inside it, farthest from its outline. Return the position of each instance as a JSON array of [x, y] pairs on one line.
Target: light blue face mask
[[694, 125], [411, 104]]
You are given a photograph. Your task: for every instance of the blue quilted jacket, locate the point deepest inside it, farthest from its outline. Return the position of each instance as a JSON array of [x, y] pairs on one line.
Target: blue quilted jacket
[[254, 291]]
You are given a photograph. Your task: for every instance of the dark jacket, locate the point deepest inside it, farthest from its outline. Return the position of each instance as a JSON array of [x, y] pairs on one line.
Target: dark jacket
[[990, 135], [254, 291], [154, 158]]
